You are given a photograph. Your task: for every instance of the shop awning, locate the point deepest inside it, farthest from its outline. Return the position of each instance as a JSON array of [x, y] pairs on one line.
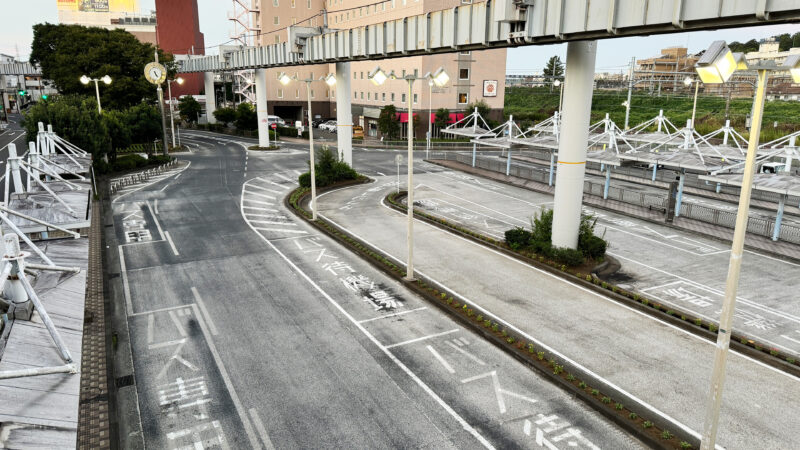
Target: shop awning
[[403, 117], [454, 117]]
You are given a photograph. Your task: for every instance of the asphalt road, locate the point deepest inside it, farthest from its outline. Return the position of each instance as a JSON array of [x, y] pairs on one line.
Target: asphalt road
[[251, 329]]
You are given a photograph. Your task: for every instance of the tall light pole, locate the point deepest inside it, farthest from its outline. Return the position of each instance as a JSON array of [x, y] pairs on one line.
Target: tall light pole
[[178, 80], [557, 83], [86, 80], [688, 82], [716, 66], [439, 78], [330, 80], [630, 90]]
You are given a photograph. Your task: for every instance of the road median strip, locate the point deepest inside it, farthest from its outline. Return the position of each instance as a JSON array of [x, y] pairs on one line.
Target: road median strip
[[625, 411]]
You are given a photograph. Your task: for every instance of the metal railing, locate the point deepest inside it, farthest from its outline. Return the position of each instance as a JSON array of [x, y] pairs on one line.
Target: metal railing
[[756, 225], [140, 177]]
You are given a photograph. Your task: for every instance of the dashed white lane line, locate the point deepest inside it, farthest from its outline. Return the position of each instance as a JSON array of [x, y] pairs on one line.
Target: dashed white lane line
[[465, 353], [203, 309], [387, 316], [126, 288], [155, 219], [422, 338], [440, 359]]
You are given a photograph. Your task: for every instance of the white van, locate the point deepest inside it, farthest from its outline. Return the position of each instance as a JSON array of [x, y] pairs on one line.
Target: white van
[[275, 120]]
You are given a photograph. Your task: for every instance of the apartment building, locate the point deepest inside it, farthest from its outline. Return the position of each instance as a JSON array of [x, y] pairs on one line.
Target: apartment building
[[473, 75]]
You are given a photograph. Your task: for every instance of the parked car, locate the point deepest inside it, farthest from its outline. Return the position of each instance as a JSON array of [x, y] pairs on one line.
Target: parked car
[[317, 122], [275, 121], [329, 126]]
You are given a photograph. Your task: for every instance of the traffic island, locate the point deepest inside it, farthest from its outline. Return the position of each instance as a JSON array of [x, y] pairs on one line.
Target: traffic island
[[264, 149], [674, 316], [615, 405]]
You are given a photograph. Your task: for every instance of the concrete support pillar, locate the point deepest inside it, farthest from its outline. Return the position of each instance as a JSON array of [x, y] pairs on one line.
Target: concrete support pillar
[[575, 115], [655, 169], [261, 108], [344, 114], [779, 218], [608, 183], [508, 162], [211, 99], [726, 132], [552, 161], [679, 199]]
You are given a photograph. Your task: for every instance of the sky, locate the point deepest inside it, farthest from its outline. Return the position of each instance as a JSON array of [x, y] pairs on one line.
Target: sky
[[613, 55]]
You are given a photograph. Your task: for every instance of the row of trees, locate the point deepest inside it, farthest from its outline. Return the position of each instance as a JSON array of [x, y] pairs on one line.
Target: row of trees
[[785, 42], [244, 117]]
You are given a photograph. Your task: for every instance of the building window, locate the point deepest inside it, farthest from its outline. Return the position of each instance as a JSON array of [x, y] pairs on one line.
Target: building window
[[383, 96], [274, 2], [463, 74], [297, 93], [468, 52], [392, 96], [355, 95], [308, 4], [403, 98], [276, 20], [294, 20], [293, 2], [416, 73], [362, 75], [369, 95], [280, 93], [355, 77], [277, 39], [415, 98], [463, 98]]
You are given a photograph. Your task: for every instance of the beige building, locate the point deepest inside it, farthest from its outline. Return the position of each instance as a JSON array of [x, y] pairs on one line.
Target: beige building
[[124, 14], [469, 71], [769, 50]]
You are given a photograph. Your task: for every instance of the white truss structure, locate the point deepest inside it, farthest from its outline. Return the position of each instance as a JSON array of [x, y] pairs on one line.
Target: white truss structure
[[246, 27]]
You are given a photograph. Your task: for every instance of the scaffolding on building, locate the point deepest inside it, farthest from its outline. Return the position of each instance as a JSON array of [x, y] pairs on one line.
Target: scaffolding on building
[[246, 30]]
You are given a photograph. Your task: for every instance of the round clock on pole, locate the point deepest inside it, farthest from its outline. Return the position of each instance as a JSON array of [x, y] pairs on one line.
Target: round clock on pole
[[155, 73]]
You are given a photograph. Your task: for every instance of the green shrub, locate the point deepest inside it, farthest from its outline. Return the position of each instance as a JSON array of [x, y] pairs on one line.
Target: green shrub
[[517, 238], [685, 445], [582, 385], [618, 406], [648, 424], [567, 256], [633, 416], [328, 170], [595, 392], [606, 400], [570, 377], [129, 162], [666, 435]]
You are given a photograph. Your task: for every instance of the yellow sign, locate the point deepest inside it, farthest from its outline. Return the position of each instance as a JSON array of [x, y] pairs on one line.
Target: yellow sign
[[117, 6]]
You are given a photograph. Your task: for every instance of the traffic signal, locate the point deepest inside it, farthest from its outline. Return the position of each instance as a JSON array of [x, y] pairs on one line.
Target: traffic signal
[[22, 93], [44, 96]]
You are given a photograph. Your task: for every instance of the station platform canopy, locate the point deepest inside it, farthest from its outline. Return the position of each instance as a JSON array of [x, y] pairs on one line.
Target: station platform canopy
[[779, 183], [665, 133], [471, 126], [500, 136], [679, 160]]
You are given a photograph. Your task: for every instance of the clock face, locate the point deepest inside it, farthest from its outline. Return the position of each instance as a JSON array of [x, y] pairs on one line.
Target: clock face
[[155, 73]]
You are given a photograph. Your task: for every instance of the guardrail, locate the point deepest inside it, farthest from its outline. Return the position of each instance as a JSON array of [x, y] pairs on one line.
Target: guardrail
[[139, 177], [755, 225]]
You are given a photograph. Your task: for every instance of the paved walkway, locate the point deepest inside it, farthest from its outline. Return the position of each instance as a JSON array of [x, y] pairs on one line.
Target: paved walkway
[[663, 367], [761, 243]]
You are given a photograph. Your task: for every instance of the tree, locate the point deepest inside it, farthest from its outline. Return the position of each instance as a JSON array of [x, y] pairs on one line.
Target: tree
[[225, 115], [441, 118], [246, 118], [75, 119], [784, 42], [189, 108], [796, 40], [144, 122], [749, 46], [387, 122], [553, 69], [483, 108], [66, 52]]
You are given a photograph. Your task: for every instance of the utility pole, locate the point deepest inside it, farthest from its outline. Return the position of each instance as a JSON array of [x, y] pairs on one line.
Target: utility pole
[[727, 102], [163, 118], [630, 89]]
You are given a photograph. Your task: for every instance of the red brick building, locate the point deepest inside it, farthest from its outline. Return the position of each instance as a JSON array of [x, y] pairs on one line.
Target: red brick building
[[178, 32]]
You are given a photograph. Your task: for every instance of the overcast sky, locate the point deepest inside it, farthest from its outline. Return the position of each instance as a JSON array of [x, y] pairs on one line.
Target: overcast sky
[[613, 55]]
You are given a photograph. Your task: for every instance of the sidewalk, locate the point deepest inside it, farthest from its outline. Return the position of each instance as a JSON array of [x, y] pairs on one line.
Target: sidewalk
[[752, 241], [663, 367]]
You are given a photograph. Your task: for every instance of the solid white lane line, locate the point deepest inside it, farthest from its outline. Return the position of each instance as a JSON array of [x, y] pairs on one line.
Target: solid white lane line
[[271, 222], [422, 338], [258, 202], [202, 306], [262, 431], [387, 316], [171, 244], [166, 344], [464, 424], [151, 321], [126, 289], [250, 184], [440, 359], [271, 197], [155, 205], [791, 339], [279, 230], [258, 208], [248, 427], [155, 219]]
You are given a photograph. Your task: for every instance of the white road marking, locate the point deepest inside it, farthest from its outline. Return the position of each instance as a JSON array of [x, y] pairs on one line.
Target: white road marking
[[169, 308], [271, 197], [166, 343], [248, 427], [423, 338], [258, 202], [464, 424], [202, 306], [279, 230], [151, 183], [155, 219], [165, 186], [155, 205], [262, 431], [389, 315], [151, 319], [465, 353], [440, 359], [126, 289], [498, 390], [257, 208], [791, 339], [177, 323], [526, 428], [171, 244], [270, 222], [267, 216], [284, 178], [255, 186]]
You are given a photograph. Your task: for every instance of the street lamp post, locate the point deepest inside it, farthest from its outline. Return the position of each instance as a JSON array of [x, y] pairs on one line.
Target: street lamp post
[[430, 110], [688, 82], [330, 80], [560, 86], [106, 79], [178, 80], [716, 66], [439, 78]]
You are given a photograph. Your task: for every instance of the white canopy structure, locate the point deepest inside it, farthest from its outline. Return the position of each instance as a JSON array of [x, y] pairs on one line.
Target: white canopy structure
[[64, 156], [471, 126], [500, 137]]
